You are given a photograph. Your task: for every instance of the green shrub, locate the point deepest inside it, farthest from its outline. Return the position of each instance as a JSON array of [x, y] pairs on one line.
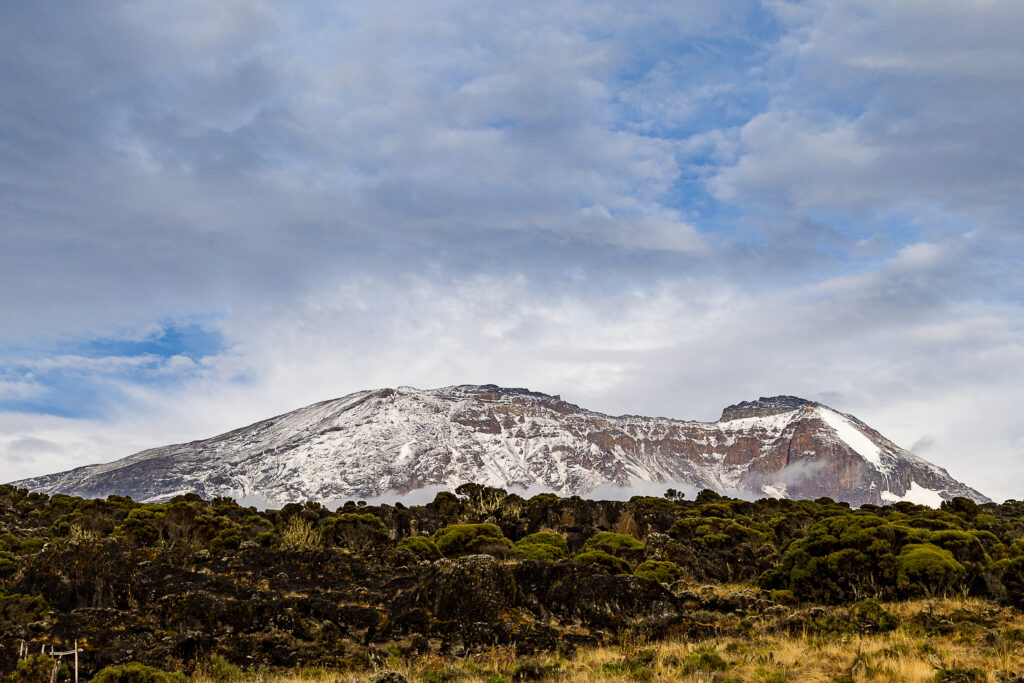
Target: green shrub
[[964, 507], [721, 510], [421, 547], [648, 503], [461, 539], [447, 504], [784, 597], [609, 540], [221, 669], [542, 498], [228, 539], [635, 664], [140, 527], [355, 531], [1013, 634], [496, 547], [539, 551], [871, 616], [708, 496], [959, 674], [704, 659], [715, 532], [548, 538], [22, 609], [964, 545], [655, 570], [31, 546], [986, 521], [136, 673], [543, 545], [853, 554], [615, 564], [929, 568], [533, 669], [8, 565], [36, 668], [1012, 575]]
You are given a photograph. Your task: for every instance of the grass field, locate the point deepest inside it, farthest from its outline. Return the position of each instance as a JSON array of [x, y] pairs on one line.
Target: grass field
[[967, 640]]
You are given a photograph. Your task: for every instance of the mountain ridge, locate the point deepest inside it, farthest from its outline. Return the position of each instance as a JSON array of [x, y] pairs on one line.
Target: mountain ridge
[[373, 442]]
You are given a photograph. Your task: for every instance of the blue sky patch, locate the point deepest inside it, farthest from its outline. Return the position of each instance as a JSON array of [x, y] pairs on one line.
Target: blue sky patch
[[87, 379]]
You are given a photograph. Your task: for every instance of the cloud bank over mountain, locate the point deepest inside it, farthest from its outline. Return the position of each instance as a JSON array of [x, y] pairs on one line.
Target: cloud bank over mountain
[[216, 213]]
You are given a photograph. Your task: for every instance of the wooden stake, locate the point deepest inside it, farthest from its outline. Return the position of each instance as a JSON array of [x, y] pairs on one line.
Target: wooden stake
[[76, 660]]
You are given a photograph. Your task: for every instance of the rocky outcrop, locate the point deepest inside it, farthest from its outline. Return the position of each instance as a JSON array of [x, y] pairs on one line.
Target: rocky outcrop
[[763, 407], [398, 440]]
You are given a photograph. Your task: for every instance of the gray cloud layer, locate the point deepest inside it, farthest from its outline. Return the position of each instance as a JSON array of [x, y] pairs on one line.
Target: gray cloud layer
[[647, 208]]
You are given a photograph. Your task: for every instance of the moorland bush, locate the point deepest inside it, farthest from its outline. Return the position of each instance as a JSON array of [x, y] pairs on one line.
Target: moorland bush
[[169, 581]]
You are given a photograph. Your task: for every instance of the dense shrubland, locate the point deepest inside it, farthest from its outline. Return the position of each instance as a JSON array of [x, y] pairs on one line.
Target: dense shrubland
[[566, 572]]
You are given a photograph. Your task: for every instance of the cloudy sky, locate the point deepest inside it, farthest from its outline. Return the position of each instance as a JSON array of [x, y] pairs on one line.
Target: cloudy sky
[[212, 212]]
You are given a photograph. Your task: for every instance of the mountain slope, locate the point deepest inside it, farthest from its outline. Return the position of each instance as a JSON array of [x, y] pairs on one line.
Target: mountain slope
[[373, 442]]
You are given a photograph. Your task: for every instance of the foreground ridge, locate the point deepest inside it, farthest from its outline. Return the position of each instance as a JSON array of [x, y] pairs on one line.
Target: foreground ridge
[[208, 588], [372, 443]]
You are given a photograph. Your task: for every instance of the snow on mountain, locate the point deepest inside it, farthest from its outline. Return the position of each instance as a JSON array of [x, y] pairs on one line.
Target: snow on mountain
[[854, 438], [397, 440]]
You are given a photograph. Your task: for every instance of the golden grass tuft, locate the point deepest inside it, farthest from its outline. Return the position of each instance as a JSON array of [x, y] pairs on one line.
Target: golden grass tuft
[[300, 534]]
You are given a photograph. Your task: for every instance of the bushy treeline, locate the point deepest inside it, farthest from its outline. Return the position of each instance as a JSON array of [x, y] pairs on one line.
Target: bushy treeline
[[819, 551]]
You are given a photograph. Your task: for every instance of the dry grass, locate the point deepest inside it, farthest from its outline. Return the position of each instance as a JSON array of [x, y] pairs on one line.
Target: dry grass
[[78, 534], [300, 534], [905, 655]]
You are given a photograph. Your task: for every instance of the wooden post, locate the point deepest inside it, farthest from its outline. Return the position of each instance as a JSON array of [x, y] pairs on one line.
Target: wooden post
[[76, 660]]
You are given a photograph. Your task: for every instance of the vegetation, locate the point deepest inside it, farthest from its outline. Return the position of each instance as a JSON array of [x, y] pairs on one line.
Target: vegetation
[[911, 653], [543, 545], [485, 585], [465, 539], [612, 542], [136, 673], [423, 548], [656, 570], [601, 558]]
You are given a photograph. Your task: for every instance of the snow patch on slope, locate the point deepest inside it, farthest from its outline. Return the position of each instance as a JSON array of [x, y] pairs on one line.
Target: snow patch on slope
[[852, 436], [916, 494]]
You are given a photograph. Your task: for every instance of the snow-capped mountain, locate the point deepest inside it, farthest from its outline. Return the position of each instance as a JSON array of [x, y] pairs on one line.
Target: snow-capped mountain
[[396, 440]]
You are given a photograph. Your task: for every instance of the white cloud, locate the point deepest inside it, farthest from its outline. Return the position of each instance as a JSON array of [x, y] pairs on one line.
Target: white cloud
[[435, 194], [881, 105], [684, 349], [19, 389]]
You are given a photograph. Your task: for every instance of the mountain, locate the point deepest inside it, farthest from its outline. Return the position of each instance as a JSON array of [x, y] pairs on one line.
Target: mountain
[[397, 440]]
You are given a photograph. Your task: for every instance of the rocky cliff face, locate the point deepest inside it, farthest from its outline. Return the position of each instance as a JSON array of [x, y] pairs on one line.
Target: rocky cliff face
[[374, 442]]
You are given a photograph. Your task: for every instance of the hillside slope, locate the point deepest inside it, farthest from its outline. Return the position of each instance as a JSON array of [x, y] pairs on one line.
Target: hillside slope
[[374, 442]]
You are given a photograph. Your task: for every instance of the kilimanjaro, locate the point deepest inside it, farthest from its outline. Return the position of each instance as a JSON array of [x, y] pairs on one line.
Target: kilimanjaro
[[393, 441]]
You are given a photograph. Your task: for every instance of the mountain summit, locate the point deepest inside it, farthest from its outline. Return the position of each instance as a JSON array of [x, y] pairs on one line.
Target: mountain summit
[[397, 440]]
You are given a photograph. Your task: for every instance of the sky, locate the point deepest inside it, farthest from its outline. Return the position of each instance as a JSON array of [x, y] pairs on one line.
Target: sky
[[215, 212]]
